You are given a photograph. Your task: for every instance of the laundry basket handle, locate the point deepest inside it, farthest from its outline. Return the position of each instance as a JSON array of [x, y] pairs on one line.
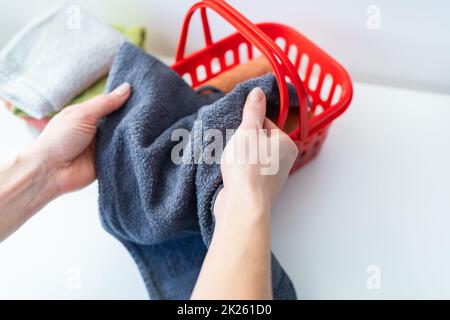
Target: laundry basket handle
[[284, 62], [277, 58]]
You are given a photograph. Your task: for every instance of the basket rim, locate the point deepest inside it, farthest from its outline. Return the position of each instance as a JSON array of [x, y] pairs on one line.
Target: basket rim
[[317, 122]]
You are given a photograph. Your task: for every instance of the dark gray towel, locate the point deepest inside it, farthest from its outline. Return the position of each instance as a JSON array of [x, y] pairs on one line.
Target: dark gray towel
[[162, 212]]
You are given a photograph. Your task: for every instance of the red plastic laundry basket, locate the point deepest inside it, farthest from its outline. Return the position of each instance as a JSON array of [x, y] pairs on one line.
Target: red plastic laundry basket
[[323, 86]]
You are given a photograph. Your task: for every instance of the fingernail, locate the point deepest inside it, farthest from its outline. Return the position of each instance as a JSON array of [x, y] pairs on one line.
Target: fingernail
[[256, 95], [122, 89]]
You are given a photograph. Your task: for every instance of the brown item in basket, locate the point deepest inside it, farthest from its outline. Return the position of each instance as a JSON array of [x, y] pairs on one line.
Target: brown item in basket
[[228, 80]]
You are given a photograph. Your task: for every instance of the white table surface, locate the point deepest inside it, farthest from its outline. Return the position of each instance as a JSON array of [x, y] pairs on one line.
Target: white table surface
[[378, 194]]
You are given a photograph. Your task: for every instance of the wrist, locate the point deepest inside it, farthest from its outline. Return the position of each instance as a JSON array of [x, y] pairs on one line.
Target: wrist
[[250, 205], [26, 187], [36, 168], [244, 208], [251, 200], [241, 222]]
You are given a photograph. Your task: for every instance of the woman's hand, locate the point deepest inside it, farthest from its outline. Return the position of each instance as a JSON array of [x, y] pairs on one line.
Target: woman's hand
[[61, 160], [67, 144], [255, 184], [237, 265]]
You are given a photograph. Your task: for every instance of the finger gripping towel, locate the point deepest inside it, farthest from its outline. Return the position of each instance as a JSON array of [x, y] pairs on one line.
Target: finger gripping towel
[[162, 211]]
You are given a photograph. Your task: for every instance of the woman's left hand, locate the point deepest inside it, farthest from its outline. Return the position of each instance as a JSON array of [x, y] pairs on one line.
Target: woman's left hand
[[61, 160], [67, 144]]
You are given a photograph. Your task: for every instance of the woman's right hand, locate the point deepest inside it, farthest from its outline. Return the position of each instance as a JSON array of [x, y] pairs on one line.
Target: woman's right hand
[[237, 265], [254, 182]]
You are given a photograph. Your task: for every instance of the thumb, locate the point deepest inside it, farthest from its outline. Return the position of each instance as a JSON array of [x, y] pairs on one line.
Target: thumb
[[102, 105], [254, 111]]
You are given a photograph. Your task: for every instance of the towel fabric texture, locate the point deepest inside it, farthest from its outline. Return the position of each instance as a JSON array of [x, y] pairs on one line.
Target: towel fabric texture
[[161, 211], [134, 34], [77, 49]]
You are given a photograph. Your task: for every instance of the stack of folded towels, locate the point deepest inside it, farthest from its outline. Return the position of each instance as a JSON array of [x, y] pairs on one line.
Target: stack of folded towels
[[51, 63]]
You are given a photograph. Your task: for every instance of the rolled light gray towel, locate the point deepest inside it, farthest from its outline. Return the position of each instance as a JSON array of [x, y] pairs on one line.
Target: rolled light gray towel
[[161, 211], [54, 58]]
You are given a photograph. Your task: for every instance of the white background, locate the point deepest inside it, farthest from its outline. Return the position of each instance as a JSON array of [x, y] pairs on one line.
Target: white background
[[379, 193], [410, 50]]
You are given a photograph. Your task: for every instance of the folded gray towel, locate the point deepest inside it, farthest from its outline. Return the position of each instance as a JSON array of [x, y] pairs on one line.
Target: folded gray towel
[[161, 211], [54, 58]]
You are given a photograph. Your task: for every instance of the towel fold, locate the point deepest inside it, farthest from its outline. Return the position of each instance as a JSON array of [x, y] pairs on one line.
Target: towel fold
[[134, 34], [161, 211], [54, 58]]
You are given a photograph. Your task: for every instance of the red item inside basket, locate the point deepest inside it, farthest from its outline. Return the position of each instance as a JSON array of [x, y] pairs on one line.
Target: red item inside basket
[[315, 75]]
